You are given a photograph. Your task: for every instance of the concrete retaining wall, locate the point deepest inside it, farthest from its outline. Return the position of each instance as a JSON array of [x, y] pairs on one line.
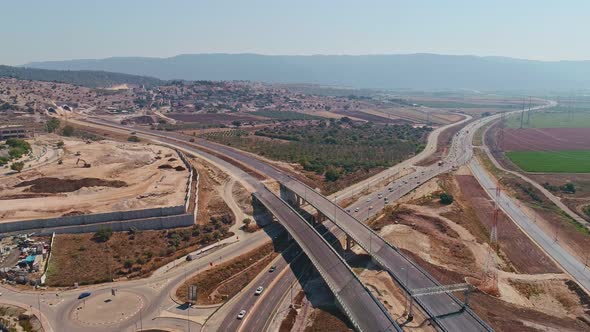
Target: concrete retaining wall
[[183, 220], [88, 219], [154, 218]]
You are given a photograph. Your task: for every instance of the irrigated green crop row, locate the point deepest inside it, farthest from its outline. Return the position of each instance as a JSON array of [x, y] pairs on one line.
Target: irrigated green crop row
[[577, 161]]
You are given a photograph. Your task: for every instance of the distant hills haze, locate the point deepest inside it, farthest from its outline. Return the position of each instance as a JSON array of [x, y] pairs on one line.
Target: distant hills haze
[[404, 71]]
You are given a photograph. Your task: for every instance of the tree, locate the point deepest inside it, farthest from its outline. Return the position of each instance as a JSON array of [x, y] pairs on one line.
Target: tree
[[68, 131], [60, 144], [17, 166], [52, 125], [247, 221], [103, 234], [446, 199], [332, 174], [133, 138], [569, 188], [236, 123]]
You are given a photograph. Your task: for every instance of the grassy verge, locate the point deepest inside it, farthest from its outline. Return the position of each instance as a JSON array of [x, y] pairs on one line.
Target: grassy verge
[[81, 258], [478, 137], [223, 281]]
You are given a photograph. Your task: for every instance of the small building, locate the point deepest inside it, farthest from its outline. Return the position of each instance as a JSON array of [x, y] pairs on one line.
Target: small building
[[12, 131]]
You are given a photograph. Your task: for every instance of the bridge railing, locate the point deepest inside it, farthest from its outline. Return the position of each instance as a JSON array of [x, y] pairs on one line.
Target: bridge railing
[[323, 273]]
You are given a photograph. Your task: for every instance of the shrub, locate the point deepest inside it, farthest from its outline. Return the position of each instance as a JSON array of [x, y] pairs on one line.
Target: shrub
[[103, 234], [68, 131], [446, 199], [569, 188], [17, 166], [52, 125], [133, 138], [128, 264], [332, 174]]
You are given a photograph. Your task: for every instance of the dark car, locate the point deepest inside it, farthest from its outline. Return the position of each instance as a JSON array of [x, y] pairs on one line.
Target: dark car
[[84, 295]]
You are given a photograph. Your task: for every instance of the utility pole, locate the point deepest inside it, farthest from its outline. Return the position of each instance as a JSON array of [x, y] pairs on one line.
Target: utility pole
[[522, 114], [528, 113]]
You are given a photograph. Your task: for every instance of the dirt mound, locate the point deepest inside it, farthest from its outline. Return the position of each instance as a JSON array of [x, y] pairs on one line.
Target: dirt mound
[[177, 168], [142, 119], [55, 185]]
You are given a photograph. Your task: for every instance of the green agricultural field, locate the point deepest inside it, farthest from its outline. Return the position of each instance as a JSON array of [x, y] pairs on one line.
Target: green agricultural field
[[577, 161], [555, 118]]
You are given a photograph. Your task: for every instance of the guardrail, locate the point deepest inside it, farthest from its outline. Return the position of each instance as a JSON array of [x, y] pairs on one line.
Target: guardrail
[[409, 261], [320, 269]]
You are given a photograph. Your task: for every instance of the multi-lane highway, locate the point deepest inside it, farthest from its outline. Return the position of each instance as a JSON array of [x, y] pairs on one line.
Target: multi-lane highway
[[363, 309], [456, 316], [460, 153]]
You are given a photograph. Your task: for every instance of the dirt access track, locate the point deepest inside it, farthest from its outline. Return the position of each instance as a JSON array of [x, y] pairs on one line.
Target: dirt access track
[[122, 176]]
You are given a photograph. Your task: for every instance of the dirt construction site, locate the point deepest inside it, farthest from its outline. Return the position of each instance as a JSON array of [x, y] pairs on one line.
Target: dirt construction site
[[518, 288], [94, 177]]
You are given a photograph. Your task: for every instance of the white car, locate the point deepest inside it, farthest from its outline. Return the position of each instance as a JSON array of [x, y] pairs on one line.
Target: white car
[[356, 210], [259, 290], [242, 314], [371, 207]]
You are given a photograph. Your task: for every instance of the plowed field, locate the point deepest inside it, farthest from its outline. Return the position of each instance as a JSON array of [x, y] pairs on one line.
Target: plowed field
[[546, 139]]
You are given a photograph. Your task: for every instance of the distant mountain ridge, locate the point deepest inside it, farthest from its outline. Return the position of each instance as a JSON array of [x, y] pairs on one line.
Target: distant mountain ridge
[[87, 78], [404, 71]]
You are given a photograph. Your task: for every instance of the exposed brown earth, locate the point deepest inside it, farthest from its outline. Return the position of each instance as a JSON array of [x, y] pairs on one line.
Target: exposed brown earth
[[452, 243], [327, 319], [513, 242], [223, 281], [552, 139], [55, 185], [121, 176], [211, 203], [208, 118], [81, 258]]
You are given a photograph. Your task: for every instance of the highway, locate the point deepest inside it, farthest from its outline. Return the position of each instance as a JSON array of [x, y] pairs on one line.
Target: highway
[[456, 316], [460, 153], [363, 309]]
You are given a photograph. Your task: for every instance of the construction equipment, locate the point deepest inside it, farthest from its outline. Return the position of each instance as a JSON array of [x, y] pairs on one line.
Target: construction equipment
[[86, 165]]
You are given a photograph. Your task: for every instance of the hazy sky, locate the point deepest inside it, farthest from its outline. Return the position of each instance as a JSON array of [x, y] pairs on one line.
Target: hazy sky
[[58, 29]]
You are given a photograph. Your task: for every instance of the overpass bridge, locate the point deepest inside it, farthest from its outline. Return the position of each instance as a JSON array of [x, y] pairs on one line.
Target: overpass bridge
[[445, 310], [364, 311]]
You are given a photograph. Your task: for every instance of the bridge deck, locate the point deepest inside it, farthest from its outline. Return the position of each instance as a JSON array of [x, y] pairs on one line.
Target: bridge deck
[[364, 310]]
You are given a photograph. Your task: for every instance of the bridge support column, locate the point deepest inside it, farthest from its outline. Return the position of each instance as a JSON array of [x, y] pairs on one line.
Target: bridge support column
[[349, 243], [289, 196]]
